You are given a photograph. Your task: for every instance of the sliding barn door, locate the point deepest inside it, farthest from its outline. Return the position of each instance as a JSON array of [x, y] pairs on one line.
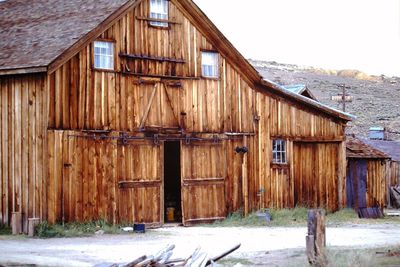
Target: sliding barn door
[[139, 182], [316, 175], [203, 167], [82, 177]]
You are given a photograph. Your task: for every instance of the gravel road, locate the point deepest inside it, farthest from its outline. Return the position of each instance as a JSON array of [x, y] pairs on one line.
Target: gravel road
[[88, 251]]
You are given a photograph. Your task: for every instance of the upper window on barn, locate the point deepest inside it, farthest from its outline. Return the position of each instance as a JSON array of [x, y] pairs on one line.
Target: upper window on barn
[[279, 151], [159, 10], [209, 64], [104, 55]]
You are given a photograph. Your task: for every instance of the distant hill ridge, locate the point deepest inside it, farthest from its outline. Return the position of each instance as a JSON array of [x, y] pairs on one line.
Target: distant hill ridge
[[351, 73], [376, 99]]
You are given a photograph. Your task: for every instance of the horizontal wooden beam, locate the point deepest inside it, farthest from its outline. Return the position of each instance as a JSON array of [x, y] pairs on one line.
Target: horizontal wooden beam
[[204, 181], [154, 58], [139, 184], [157, 20], [160, 76], [301, 139]]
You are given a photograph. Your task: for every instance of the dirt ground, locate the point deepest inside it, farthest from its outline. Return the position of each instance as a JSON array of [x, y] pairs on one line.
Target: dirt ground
[[261, 246]]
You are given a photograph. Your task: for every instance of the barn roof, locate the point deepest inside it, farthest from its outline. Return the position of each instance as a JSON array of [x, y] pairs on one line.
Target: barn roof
[[44, 34], [35, 33], [355, 148], [392, 148]]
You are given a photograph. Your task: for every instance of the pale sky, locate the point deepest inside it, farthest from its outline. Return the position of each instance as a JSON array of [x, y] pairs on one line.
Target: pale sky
[[333, 34]]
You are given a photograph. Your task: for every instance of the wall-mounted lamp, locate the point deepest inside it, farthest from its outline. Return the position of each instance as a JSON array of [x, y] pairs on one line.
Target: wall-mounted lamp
[[242, 149]]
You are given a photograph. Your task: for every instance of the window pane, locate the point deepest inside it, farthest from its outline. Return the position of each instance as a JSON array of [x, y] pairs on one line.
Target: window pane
[[278, 157], [274, 157], [159, 10], [209, 64], [96, 60], [278, 151], [103, 55]]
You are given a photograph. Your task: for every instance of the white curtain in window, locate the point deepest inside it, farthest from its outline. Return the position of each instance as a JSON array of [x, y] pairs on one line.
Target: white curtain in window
[[209, 64], [279, 151], [159, 10], [103, 55]]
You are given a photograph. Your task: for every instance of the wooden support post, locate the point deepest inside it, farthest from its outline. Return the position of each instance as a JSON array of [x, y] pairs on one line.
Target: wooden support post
[[315, 240], [16, 223], [244, 179], [32, 222]]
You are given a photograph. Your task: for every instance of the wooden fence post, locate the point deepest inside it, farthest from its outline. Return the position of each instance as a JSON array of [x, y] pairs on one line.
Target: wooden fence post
[[315, 240], [16, 223], [32, 223]]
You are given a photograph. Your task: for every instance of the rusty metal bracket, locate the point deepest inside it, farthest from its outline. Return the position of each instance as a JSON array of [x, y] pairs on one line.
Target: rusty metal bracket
[[156, 139]]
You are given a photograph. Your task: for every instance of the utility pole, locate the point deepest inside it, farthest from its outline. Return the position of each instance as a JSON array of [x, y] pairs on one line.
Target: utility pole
[[343, 97]]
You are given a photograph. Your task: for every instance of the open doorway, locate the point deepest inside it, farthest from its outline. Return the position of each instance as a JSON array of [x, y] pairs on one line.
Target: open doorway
[[172, 182]]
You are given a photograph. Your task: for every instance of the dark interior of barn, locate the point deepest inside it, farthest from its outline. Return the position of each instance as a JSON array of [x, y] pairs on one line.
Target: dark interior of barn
[[172, 182]]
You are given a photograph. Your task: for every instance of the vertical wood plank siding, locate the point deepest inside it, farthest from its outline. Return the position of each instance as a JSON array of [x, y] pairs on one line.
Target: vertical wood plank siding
[[394, 173], [22, 147], [85, 173]]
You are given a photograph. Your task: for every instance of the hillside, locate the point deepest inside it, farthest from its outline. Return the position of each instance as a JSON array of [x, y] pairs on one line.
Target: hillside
[[376, 99]]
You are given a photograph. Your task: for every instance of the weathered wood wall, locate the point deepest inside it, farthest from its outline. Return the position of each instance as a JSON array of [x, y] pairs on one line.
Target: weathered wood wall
[[22, 147], [316, 181], [376, 183], [91, 178], [394, 173], [367, 182]]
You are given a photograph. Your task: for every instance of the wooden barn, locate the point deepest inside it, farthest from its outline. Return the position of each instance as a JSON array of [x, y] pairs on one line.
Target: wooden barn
[[123, 109], [368, 176]]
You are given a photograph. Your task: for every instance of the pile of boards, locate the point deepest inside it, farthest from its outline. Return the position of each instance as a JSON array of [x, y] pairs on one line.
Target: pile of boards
[[163, 259]]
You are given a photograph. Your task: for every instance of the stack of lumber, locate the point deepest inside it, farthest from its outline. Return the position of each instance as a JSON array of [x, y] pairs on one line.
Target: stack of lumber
[[163, 259]]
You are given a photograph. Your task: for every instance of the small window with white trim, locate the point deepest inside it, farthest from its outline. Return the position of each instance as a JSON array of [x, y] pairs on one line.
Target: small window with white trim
[[209, 64], [104, 55], [279, 151], [159, 10]]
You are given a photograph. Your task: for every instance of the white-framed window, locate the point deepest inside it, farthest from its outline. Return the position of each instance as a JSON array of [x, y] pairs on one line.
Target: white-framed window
[[279, 151], [209, 64], [104, 55], [159, 10]]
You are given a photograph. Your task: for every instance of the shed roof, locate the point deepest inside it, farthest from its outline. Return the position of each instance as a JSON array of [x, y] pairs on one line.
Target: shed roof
[[34, 33], [392, 148], [355, 148], [300, 89]]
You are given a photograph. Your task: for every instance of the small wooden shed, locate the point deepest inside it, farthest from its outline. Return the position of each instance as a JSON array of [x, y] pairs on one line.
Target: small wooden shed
[[125, 109], [368, 176], [392, 149]]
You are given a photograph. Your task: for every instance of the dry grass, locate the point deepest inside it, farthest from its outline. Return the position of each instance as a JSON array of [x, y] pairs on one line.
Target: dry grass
[[298, 217]]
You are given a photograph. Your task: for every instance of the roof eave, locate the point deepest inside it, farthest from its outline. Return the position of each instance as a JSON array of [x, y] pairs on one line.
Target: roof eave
[[27, 70], [307, 101]]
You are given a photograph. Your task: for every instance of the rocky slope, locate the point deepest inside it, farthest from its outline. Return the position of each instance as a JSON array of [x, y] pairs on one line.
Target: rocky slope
[[376, 99]]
